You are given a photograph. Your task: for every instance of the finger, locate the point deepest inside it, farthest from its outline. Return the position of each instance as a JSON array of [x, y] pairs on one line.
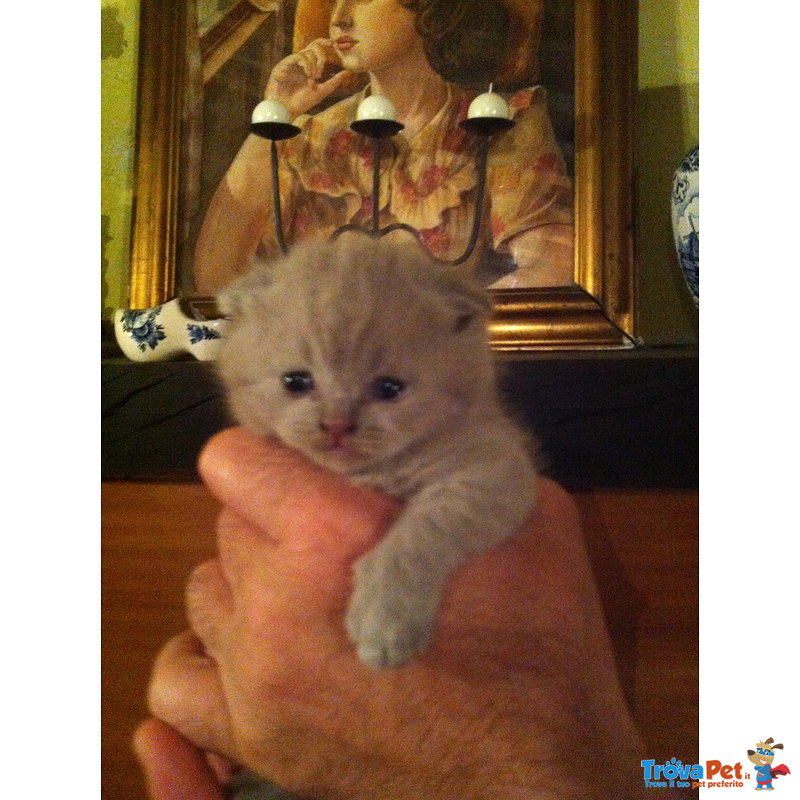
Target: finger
[[333, 83], [174, 768], [186, 693], [209, 604], [317, 55], [327, 51], [326, 54], [308, 63], [241, 548], [309, 512]]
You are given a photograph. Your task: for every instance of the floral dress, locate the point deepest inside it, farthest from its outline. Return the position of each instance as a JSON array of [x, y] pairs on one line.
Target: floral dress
[[428, 181]]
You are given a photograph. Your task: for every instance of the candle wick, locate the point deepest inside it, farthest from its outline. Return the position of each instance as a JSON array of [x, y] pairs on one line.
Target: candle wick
[[491, 87]]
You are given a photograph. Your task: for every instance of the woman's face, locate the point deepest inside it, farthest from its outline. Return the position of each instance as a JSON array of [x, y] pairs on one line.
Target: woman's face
[[371, 34]]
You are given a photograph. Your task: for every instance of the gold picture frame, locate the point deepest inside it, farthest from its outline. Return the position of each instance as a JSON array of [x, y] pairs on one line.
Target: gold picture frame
[[596, 312]]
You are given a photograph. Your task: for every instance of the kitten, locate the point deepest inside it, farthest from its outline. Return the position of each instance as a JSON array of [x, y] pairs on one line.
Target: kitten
[[373, 361]]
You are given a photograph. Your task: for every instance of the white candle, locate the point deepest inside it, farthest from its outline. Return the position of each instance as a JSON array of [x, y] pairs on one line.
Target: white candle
[[489, 104], [271, 111], [376, 106]]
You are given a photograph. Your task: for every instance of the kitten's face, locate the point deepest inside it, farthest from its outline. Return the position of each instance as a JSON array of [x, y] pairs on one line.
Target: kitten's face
[[352, 369]]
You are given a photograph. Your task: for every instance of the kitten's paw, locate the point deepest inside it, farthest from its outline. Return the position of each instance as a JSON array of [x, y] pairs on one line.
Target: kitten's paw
[[384, 649], [389, 624]]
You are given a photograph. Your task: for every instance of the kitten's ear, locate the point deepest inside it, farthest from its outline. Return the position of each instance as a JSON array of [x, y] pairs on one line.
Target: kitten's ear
[[233, 300], [470, 301]]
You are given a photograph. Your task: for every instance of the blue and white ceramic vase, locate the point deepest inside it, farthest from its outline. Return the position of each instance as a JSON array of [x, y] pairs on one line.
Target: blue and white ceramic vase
[[165, 332], [686, 220]]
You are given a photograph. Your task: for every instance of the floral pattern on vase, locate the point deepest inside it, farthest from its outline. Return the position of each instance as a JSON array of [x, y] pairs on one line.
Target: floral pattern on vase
[[686, 220], [143, 328], [202, 333]]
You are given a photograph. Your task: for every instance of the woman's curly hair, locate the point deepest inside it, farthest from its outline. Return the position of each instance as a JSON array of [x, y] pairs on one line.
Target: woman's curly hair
[[465, 41]]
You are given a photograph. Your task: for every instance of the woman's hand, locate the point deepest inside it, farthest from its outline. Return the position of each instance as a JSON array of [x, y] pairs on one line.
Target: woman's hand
[[296, 80]]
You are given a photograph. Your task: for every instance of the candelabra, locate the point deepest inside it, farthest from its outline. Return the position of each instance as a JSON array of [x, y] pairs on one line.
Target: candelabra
[[166, 331], [376, 118]]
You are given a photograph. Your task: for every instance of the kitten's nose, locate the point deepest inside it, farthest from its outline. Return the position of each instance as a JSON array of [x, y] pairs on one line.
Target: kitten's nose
[[337, 428]]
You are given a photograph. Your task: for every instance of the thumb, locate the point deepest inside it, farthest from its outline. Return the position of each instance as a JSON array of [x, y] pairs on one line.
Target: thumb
[[297, 507], [329, 86]]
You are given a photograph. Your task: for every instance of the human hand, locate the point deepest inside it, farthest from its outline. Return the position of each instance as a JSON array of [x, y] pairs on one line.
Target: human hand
[[296, 79], [174, 768], [519, 674]]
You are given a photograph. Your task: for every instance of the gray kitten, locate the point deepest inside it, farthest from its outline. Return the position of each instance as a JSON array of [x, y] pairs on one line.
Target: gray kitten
[[373, 361]]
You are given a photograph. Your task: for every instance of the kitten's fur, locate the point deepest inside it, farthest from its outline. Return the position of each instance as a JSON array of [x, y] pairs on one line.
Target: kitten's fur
[[359, 319]]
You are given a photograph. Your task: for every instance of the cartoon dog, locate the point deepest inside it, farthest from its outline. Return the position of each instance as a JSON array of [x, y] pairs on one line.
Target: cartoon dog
[[762, 757]]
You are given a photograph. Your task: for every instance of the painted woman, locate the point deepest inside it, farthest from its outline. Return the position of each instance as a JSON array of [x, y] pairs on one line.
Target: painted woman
[[430, 58]]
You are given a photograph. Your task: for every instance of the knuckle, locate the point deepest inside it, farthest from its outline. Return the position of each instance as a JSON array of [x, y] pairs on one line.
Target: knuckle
[[202, 600], [160, 702], [163, 699], [200, 579]]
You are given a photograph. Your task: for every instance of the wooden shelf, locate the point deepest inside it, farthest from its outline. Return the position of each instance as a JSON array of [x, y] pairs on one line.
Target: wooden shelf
[[625, 418]]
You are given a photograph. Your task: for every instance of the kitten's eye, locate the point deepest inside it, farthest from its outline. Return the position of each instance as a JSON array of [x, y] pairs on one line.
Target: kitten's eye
[[298, 382], [388, 388]]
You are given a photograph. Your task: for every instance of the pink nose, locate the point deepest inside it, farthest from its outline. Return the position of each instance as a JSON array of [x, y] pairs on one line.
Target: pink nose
[[337, 428]]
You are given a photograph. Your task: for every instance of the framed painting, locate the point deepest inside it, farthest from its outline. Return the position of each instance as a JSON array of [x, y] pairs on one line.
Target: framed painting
[[559, 187]]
